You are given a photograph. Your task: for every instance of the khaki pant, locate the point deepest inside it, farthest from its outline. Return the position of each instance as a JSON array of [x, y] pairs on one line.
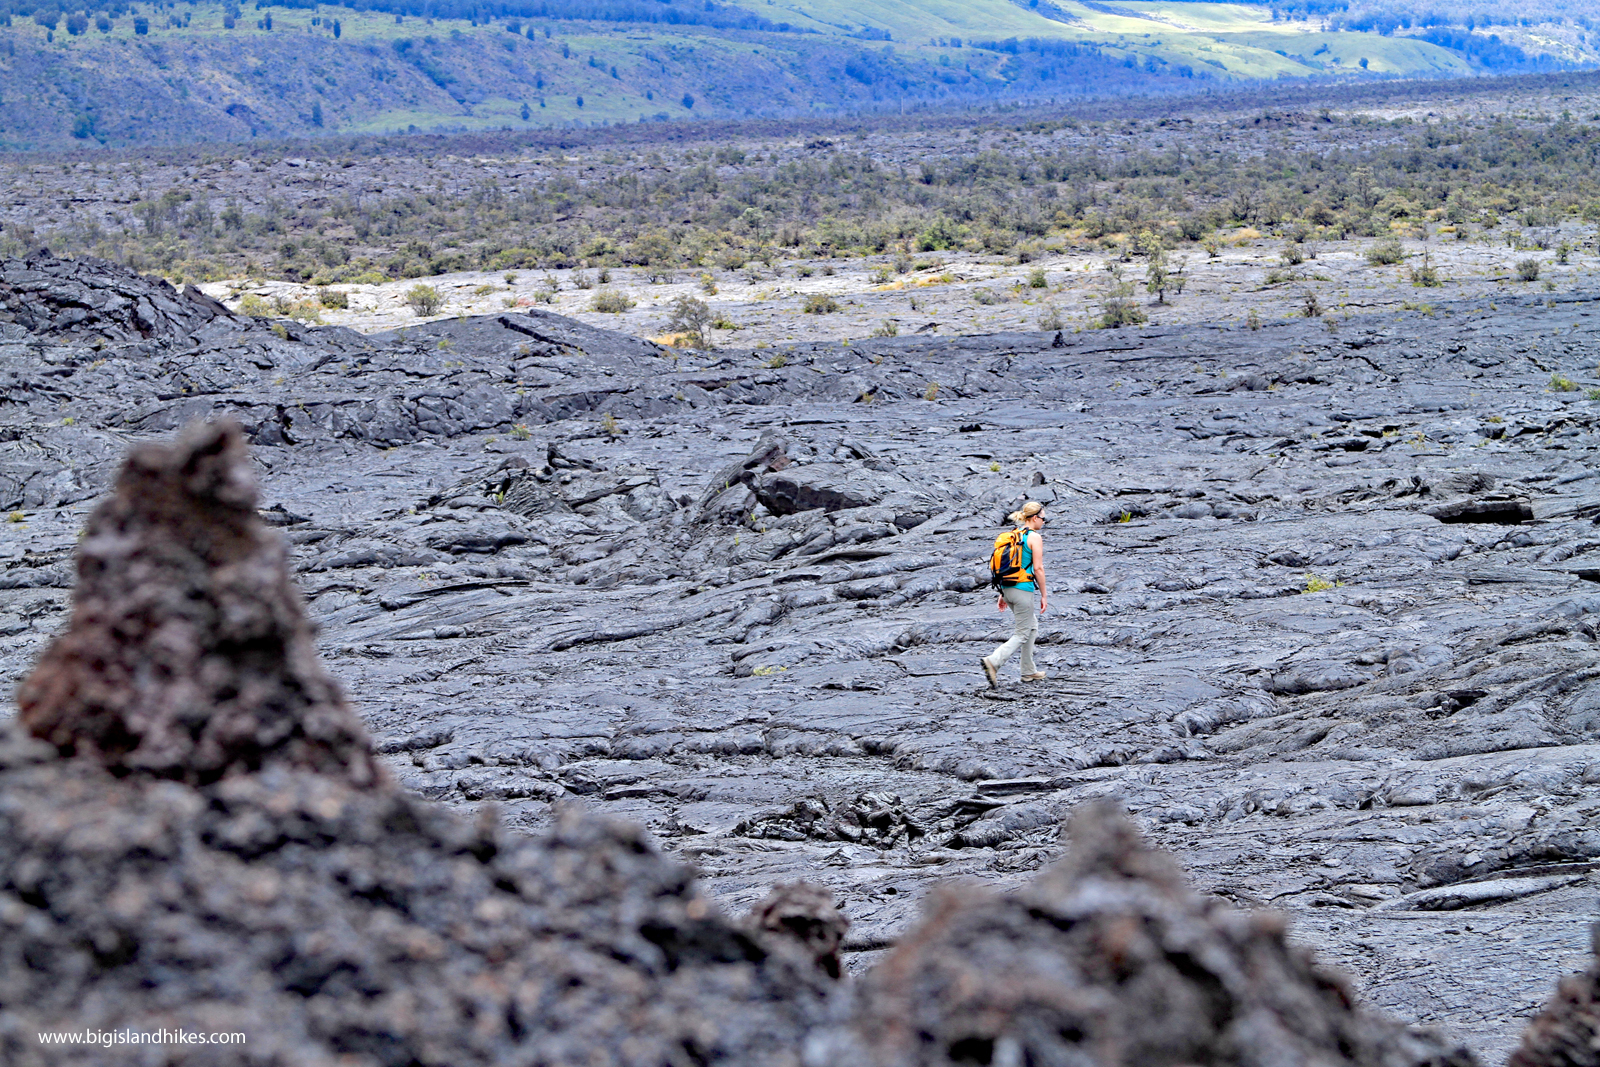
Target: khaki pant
[[1024, 604]]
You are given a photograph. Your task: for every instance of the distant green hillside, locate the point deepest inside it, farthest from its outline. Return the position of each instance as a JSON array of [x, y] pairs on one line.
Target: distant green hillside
[[208, 71]]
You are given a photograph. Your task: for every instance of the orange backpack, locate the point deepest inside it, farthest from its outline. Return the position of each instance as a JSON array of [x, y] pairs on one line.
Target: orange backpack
[[1005, 563]]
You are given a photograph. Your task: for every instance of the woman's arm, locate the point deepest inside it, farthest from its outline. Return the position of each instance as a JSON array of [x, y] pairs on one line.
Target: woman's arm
[[1036, 545]]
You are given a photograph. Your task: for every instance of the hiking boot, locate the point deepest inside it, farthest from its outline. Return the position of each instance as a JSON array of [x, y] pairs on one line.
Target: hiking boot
[[1036, 676], [989, 672]]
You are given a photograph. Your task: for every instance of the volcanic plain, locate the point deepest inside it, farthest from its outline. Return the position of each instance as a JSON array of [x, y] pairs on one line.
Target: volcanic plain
[[1323, 608]]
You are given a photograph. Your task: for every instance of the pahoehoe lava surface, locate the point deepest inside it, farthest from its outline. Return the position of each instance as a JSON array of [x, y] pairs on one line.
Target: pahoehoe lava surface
[[195, 849], [1323, 611]]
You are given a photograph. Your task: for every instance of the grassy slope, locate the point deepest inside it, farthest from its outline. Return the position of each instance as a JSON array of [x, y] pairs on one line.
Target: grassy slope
[[205, 82], [1241, 41], [914, 21]]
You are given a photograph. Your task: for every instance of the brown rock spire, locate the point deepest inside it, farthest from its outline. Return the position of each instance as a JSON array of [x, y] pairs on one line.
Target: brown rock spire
[[189, 655]]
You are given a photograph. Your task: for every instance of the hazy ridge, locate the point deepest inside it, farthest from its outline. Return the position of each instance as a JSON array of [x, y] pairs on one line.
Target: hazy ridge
[[172, 73]]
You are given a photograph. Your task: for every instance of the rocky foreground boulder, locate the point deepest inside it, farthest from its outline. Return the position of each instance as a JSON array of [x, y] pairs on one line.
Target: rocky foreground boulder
[[193, 837], [1109, 958], [189, 654]]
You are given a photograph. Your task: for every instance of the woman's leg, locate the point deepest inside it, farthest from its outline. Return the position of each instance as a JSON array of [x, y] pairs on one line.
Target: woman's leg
[[1026, 625]]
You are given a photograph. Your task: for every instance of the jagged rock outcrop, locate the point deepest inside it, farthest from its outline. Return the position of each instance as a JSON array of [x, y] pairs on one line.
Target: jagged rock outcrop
[[95, 298], [189, 655], [334, 925], [1109, 959]]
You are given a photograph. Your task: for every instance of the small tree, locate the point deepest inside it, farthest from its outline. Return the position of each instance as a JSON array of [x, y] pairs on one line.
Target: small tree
[[424, 299], [1156, 278], [690, 317]]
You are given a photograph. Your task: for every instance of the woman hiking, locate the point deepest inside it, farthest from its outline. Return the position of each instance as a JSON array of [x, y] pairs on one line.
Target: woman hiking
[[1025, 598]]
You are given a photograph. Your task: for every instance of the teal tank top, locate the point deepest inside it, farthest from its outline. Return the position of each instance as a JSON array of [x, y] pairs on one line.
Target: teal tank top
[[1027, 562]]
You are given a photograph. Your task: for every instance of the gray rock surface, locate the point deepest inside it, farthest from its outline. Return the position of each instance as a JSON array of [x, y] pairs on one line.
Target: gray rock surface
[[1319, 691]]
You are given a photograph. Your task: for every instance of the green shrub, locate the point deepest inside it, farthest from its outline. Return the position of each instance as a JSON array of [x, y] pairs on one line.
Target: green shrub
[[424, 300], [333, 298], [1037, 280], [1386, 252], [1426, 276], [886, 328], [819, 304], [611, 302], [1118, 311], [1528, 270]]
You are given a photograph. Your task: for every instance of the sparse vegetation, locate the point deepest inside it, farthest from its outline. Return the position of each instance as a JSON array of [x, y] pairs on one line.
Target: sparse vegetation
[[819, 304]]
